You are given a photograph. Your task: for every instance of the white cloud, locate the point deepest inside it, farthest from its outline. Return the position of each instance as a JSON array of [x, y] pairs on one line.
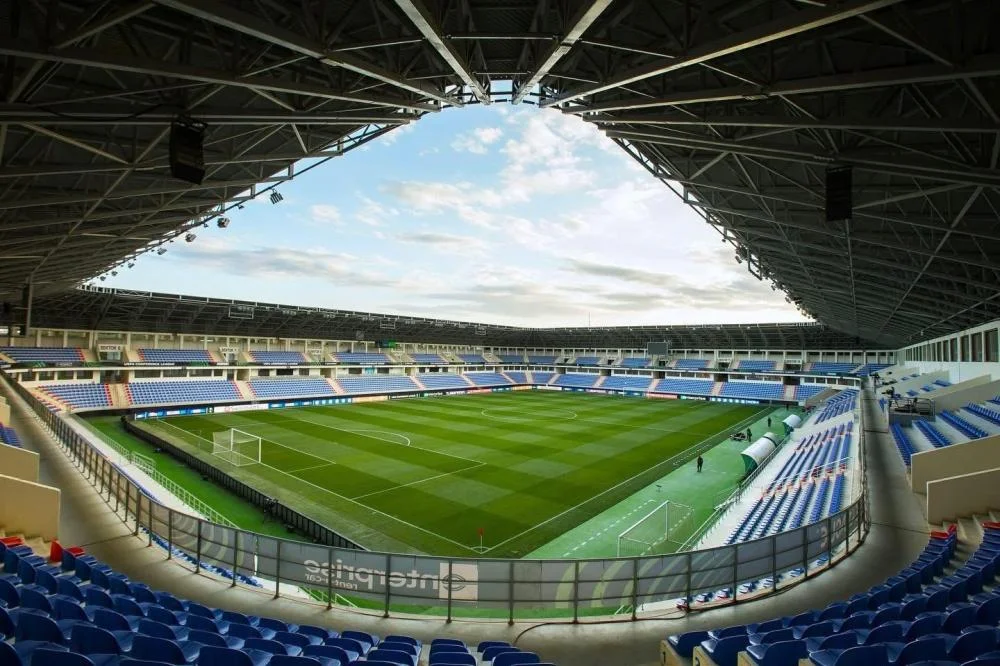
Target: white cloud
[[325, 214], [477, 141]]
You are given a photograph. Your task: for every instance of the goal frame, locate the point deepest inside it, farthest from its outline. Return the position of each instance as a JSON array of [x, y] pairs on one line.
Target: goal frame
[[237, 447], [673, 515]]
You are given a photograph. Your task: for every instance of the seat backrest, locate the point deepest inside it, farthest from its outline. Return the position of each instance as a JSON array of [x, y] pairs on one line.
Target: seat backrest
[[396, 638], [67, 610], [970, 645], [207, 638], [202, 623], [490, 653], [841, 641], [514, 658], [391, 656], [264, 645], [289, 660], [289, 638], [89, 639], [105, 618], [9, 594], [451, 659], [59, 658], [408, 648], [163, 615], [6, 624], [158, 629], [244, 631], [488, 644], [8, 655], [157, 649], [346, 643], [935, 647], [865, 655], [35, 627], [31, 598], [273, 624], [223, 656], [332, 651], [787, 652], [360, 636], [237, 618]]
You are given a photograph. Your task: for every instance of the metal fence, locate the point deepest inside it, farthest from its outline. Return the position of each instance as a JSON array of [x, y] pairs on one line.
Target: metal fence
[[456, 587]]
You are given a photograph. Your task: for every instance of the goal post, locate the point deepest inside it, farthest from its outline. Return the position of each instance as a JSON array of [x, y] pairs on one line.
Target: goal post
[[236, 447], [661, 531]]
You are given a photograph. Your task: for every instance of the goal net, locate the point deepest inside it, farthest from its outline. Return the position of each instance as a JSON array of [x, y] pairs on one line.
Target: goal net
[[661, 531], [236, 447]]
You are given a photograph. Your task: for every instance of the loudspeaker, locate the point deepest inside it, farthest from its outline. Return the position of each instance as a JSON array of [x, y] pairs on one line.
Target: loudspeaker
[[839, 195], [187, 152]]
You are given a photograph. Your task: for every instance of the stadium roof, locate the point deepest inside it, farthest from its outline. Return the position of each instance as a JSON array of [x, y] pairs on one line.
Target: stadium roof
[[123, 310], [740, 106]]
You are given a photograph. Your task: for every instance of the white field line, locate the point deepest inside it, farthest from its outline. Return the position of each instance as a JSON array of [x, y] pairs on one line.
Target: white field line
[[413, 483], [306, 469], [343, 497], [520, 416], [697, 447], [362, 433]]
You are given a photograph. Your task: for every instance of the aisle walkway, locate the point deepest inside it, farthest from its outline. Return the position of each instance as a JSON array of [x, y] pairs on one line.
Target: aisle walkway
[[898, 533]]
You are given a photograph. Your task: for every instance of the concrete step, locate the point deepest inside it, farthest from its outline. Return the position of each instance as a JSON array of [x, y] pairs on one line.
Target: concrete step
[[970, 531]]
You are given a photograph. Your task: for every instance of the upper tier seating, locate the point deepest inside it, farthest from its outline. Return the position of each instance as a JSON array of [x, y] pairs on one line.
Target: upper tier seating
[[691, 363], [806, 391], [635, 362], [832, 368], [79, 396], [361, 358], [367, 384], [473, 359], [541, 360], [292, 387], [429, 359], [759, 390], [442, 380], [577, 379], [587, 360], [187, 392], [626, 383], [277, 357], [869, 368], [845, 401], [541, 377], [924, 614], [684, 386], [174, 355], [512, 358], [84, 613], [72, 355], [487, 379], [755, 365]]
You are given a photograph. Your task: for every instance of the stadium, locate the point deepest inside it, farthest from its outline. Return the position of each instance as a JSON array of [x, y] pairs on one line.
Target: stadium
[[208, 480]]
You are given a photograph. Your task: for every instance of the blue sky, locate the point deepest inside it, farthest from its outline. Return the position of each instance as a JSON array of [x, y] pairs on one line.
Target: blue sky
[[500, 214]]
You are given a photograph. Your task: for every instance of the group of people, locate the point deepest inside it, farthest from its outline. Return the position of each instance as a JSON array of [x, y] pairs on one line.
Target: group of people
[[701, 461]]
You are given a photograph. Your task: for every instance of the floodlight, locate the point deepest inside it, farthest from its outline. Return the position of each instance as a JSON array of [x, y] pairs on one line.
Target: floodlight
[[223, 222], [190, 238], [276, 197], [161, 251]]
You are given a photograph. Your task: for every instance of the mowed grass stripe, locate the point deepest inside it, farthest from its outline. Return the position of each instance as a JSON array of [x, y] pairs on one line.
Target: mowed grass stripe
[[531, 471]]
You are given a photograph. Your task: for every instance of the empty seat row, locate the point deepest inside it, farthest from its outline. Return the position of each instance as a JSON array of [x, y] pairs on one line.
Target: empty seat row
[[577, 379], [487, 379], [72, 355], [79, 395], [189, 392], [691, 363], [174, 355], [760, 390], [291, 387], [277, 357], [361, 358]]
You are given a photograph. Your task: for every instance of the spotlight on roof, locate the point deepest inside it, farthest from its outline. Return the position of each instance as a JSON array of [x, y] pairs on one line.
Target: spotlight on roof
[[114, 273], [131, 264], [276, 197], [190, 238], [161, 251], [223, 222], [103, 278]]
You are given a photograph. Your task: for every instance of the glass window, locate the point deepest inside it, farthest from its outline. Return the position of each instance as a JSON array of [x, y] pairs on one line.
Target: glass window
[[991, 346], [977, 347]]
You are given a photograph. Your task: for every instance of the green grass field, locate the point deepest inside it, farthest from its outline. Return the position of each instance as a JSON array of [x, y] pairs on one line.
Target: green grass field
[[423, 475]]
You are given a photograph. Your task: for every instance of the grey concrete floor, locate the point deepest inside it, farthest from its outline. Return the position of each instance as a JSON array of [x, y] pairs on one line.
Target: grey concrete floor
[[898, 533]]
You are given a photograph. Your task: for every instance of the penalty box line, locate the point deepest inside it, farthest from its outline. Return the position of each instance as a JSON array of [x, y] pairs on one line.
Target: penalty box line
[[698, 448], [343, 497]]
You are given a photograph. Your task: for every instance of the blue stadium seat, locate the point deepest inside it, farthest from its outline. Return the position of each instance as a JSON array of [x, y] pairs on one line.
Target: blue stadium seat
[[178, 356], [277, 357], [291, 387], [181, 392]]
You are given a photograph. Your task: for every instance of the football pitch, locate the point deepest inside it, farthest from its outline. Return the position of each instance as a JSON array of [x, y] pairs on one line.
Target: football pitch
[[430, 474]]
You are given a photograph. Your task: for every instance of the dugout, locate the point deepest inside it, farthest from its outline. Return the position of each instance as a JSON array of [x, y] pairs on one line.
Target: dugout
[[758, 452]]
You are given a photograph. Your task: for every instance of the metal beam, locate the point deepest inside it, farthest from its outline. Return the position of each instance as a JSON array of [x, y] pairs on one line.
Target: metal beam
[[954, 125], [788, 26], [585, 17], [424, 21], [976, 67], [137, 65], [248, 24], [943, 172], [129, 115]]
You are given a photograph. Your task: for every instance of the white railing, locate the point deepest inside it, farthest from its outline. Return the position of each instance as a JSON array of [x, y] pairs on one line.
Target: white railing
[[148, 466]]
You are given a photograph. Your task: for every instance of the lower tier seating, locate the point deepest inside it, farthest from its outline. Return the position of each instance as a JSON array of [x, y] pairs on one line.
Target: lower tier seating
[[79, 396], [923, 613], [626, 383], [487, 379], [186, 392], [368, 384], [80, 612], [442, 380], [290, 388], [577, 380]]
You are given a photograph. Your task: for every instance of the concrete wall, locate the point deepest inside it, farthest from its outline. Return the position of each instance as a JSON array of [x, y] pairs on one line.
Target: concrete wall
[[958, 496], [19, 463], [959, 371], [957, 396], [29, 508], [917, 383], [955, 460], [4, 411]]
